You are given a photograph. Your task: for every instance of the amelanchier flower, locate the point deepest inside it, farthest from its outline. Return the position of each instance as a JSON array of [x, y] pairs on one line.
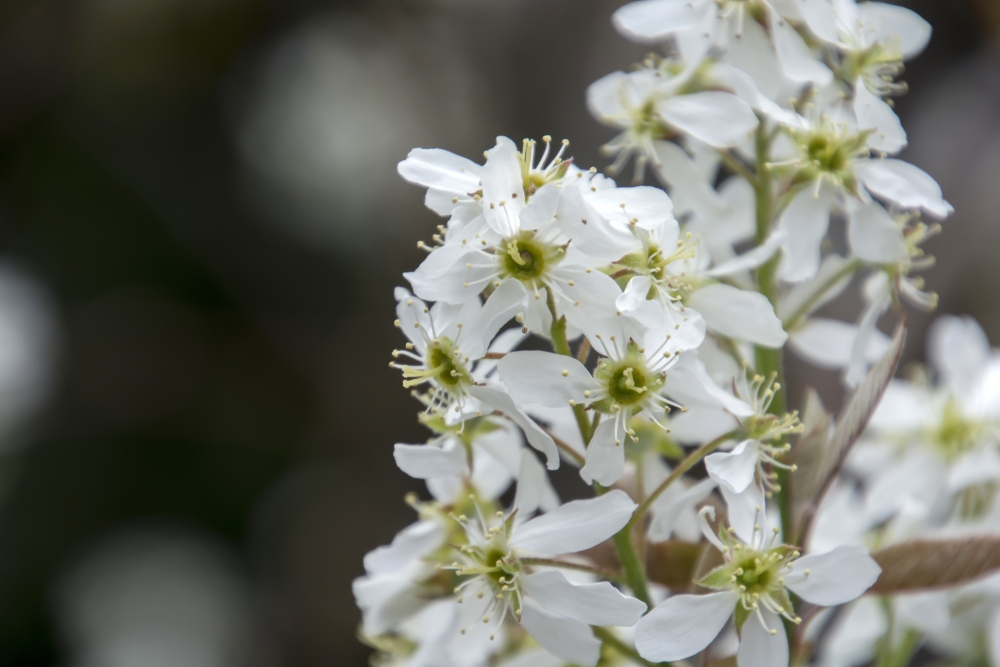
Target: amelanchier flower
[[752, 588], [446, 342], [500, 579], [629, 380], [518, 243]]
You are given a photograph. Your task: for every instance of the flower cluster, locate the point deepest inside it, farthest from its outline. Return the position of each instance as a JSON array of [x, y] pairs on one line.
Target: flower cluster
[[635, 333]]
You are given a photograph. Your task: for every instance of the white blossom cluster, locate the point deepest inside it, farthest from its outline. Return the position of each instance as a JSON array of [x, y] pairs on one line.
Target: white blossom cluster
[[637, 334]]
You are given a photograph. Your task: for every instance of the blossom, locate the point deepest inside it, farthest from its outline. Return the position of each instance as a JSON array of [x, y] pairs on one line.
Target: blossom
[[498, 580], [517, 244], [447, 344], [752, 588], [629, 380]]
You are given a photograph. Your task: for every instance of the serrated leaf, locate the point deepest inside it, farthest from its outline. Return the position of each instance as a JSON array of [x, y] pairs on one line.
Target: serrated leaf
[[921, 564], [810, 450], [674, 563], [855, 416]]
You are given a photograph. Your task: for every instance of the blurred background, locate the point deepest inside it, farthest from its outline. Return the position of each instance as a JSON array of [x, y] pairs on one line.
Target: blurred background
[[200, 229]]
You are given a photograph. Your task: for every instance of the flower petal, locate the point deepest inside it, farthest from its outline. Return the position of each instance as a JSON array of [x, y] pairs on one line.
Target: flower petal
[[739, 314], [717, 118], [429, 461], [734, 469], [565, 638], [651, 21], [904, 184], [441, 170], [605, 457], [596, 604], [410, 544], [576, 526], [745, 510], [503, 188], [805, 220], [758, 647], [683, 625], [874, 235], [545, 378], [835, 577], [892, 22], [537, 438], [887, 133], [796, 60], [646, 207]]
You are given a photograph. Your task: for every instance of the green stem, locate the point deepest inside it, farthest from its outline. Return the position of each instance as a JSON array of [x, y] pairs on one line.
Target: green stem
[[734, 164], [769, 360], [622, 648], [635, 573], [682, 467], [560, 345]]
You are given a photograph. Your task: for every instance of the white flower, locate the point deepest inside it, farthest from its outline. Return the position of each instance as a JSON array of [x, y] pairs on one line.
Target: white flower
[[752, 587], [746, 474], [656, 103], [516, 248], [831, 162], [940, 443], [629, 380], [447, 346], [499, 581]]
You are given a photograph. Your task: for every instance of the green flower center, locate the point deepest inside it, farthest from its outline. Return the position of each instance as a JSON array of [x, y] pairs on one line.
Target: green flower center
[[629, 381], [527, 259], [446, 365], [956, 435], [828, 151]]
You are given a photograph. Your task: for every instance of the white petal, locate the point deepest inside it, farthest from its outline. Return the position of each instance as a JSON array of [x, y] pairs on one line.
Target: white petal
[[852, 637], [751, 259], [821, 18], [977, 467], [717, 118], [959, 350], [605, 457], [689, 381], [442, 170], [683, 625], [677, 513], [835, 577], [904, 184], [701, 424], [531, 485], [590, 232], [739, 314], [535, 377], [428, 461], [824, 342], [596, 604], [649, 207], [502, 184], [504, 303], [799, 297], [688, 190], [652, 20], [734, 469], [758, 647], [445, 276], [537, 438], [797, 61], [887, 133], [541, 207], [576, 526], [874, 235], [893, 22], [805, 220], [410, 544], [927, 612], [745, 510], [565, 638]]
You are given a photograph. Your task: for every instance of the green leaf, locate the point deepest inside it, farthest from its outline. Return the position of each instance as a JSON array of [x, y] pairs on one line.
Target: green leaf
[[928, 563]]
